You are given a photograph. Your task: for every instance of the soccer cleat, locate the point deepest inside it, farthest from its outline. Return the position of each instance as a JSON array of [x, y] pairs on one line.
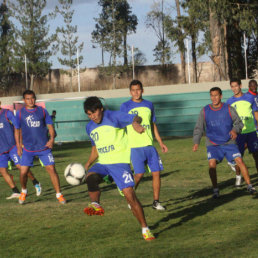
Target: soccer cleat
[[252, 190], [22, 198], [94, 209], [157, 206], [148, 236], [215, 194], [232, 166], [13, 196], [61, 199], [120, 192], [238, 181], [38, 189]]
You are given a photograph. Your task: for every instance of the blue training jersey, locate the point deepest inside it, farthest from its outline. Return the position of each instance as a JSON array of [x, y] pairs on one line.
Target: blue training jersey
[[110, 138], [7, 121], [33, 123], [218, 124]]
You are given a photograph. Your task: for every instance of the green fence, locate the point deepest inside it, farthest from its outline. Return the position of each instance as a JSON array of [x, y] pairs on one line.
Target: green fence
[[176, 114]]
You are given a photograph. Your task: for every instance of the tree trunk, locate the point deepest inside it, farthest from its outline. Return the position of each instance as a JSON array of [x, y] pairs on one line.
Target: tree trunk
[[71, 79], [194, 58], [125, 50], [31, 81], [218, 57], [181, 44]]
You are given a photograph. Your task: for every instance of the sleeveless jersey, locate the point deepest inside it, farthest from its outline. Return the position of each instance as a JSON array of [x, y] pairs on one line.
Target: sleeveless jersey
[[218, 124], [145, 110], [245, 106], [33, 123], [7, 141], [110, 138]]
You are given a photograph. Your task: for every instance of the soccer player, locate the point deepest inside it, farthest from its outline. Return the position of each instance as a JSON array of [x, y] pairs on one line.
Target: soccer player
[[33, 123], [143, 153], [109, 145], [8, 151], [247, 109], [221, 123]]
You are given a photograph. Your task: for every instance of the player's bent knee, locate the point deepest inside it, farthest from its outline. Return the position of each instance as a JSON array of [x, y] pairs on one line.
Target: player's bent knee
[[93, 180]]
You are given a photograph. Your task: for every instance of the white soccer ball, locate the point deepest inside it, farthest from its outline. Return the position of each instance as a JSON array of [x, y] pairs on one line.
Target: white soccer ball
[[75, 174]]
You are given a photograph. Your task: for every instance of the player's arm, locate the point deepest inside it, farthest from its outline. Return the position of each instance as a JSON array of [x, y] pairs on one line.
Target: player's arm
[[198, 131], [93, 156], [17, 131], [237, 123], [163, 147], [137, 124], [51, 140]]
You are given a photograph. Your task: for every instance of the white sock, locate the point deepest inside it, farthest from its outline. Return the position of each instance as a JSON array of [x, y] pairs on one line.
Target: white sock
[[144, 230], [58, 195], [24, 191], [238, 176]]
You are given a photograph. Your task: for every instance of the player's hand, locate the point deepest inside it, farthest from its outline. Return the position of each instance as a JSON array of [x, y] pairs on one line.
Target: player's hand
[[195, 147], [138, 128], [233, 134], [163, 147], [50, 144], [19, 150]]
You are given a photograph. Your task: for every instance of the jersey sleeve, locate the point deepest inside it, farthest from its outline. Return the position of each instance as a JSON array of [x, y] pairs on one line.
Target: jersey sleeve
[[11, 117], [153, 115], [122, 119], [48, 119], [237, 123], [18, 119], [199, 128], [123, 108], [88, 132], [255, 104]]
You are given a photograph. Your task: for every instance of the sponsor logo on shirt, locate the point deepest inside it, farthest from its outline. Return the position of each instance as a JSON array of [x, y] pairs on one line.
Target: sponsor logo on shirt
[[1, 125], [31, 123], [106, 149]]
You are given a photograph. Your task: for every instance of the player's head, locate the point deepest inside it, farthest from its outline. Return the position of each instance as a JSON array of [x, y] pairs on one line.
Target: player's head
[[29, 98], [94, 109], [53, 112], [252, 86], [236, 86], [136, 90], [216, 96]]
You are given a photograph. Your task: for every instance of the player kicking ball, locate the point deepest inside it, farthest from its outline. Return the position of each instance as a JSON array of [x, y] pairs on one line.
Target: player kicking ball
[[33, 124], [143, 153], [109, 145], [8, 151], [221, 123]]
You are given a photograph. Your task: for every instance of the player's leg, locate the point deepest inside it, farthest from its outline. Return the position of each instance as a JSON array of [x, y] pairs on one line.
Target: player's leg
[[255, 156], [94, 177], [241, 141], [252, 145], [23, 180], [137, 179]]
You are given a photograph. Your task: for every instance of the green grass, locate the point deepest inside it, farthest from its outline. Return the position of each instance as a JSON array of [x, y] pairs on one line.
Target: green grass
[[194, 225]]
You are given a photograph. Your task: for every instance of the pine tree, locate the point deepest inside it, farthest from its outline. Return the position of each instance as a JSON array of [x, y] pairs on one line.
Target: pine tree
[[66, 38], [32, 38]]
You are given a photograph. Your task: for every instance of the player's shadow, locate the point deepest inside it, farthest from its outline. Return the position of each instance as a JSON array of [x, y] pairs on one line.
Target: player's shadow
[[197, 209]]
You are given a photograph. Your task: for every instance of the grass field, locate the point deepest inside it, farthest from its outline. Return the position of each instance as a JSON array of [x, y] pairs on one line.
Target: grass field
[[194, 225]]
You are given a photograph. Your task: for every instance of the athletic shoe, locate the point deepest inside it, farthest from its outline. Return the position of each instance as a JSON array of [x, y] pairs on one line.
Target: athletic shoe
[[120, 192], [252, 190], [157, 206], [238, 181], [38, 189], [22, 198], [215, 195], [94, 209], [129, 206], [61, 199], [13, 196], [148, 236], [232, 166]]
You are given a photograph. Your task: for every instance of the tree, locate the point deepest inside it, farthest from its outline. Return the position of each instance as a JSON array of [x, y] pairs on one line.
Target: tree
[[32, 38], [6, 40], [66, 38], [156, 21]]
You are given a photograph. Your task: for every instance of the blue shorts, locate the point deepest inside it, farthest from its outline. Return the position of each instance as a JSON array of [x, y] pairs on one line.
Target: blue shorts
[[121, 173], [11, 155], [218, 152], [247, 138], [143, 156], [45, 156]]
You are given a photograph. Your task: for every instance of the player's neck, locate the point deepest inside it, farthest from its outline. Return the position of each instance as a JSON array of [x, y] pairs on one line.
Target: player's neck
[[27, 107], [216, 106], [239, 94], [137, 100]]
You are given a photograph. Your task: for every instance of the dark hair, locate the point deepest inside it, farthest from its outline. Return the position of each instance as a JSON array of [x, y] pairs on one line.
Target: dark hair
[[29, 92], [252, 81], [92, 104], [236, 80], [135, 82], [216, 89]]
